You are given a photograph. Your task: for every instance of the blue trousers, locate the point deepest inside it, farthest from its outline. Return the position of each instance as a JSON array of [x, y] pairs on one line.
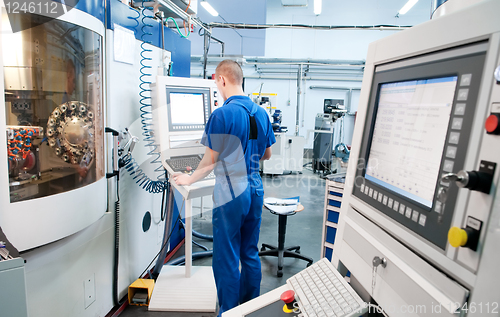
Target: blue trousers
[[236, 228]]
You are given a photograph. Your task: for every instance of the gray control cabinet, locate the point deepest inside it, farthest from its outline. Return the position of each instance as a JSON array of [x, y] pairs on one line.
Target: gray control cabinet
[[13, 290]]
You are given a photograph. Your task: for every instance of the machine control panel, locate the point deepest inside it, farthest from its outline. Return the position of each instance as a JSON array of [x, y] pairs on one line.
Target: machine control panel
[[420, 119]]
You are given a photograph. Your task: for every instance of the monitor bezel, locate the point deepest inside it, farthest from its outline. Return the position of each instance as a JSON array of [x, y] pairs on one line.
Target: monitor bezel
[[204, 91], [449, 64]]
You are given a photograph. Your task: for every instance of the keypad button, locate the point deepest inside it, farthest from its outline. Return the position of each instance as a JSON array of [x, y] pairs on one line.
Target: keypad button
[[465, 79], [451, 151], [396, 206], [463, 94], [454, 137], [402, 209], [408, 212], [448, 166], [389, 202], [460, 109], [414, 217], [457, 123], [422, 220]]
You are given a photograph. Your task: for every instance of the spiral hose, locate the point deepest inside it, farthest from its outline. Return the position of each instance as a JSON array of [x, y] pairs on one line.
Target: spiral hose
[[140, 177]]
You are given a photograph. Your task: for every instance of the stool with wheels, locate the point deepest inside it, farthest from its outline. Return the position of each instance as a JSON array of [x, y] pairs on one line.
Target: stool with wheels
[[281, 251]]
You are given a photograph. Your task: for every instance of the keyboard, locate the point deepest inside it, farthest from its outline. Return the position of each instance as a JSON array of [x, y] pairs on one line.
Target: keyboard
[[180, 164], [322, 292]]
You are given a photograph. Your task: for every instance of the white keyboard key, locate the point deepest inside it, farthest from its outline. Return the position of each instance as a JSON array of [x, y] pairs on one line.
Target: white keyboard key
[[324, 292]]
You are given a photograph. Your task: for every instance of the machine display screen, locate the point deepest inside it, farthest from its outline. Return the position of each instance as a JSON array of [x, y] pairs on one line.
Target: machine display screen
[[187, 108], [409, 133]]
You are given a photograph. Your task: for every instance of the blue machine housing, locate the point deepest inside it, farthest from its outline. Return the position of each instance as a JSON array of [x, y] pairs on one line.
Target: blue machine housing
[[95, 8], [121, 14]]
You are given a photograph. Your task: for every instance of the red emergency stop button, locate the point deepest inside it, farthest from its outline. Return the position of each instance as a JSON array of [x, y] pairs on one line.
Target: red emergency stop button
[[288, 296], [492, 124]]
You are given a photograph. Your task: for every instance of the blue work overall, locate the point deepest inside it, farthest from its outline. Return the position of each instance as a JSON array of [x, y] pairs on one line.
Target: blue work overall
[[238, 201]]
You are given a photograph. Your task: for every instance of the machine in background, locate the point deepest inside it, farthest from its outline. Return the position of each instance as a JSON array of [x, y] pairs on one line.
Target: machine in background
[[288, 151], [324, 125]]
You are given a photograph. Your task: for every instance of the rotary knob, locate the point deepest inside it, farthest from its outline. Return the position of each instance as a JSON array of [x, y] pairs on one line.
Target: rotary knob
[[497, 74]]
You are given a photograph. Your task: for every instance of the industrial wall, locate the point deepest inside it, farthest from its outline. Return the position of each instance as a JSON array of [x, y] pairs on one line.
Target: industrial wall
[[295, 45]]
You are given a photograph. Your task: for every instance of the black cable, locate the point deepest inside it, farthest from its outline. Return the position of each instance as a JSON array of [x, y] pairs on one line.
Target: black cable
[[163, 246], [117, 245]]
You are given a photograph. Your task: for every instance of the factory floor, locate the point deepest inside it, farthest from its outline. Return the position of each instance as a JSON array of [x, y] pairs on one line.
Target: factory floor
[[303, 228]]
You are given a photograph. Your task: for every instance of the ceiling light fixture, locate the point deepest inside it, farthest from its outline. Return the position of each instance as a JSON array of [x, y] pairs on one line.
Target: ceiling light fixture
[[209, 8], [407, 6], [317, 7]]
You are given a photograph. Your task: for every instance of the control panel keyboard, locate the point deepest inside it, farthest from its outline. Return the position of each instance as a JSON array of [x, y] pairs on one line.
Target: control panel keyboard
[[322, 291], [186, 164]]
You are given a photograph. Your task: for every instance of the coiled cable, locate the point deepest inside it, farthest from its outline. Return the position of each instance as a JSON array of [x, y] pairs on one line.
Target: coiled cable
[[140, 177]]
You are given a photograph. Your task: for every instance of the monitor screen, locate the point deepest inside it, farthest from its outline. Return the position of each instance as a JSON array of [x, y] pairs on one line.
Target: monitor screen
[[409, 134], [187, 108]]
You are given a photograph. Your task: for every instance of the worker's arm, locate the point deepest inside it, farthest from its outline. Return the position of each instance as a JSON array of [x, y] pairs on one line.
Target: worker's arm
[[206, 165], [267, 154]]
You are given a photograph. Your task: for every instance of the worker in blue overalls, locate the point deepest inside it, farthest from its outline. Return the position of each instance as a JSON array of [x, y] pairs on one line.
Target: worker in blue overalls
[[237, 136]]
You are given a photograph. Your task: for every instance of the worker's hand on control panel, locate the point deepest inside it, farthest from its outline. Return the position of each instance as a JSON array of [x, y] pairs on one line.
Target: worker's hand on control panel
[[182, 179]]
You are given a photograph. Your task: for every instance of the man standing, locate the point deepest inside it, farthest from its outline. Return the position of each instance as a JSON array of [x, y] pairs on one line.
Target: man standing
[[237, 136]]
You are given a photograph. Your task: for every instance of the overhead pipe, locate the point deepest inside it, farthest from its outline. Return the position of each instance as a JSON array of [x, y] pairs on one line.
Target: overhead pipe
[[200, 75], [271, 60], [222, 45], [379, 27], [304, 78], [206, 47], [283, 61]]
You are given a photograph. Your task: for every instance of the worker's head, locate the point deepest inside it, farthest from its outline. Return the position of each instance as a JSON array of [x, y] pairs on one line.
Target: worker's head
[[229, 79], [70, 77]]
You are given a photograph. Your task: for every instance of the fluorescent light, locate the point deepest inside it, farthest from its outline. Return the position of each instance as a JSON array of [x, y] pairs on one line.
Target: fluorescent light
[[407, 6], [209, 8], [317, 7]]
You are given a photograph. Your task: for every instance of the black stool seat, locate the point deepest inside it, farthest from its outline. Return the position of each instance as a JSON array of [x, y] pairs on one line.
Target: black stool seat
[[281, 251]]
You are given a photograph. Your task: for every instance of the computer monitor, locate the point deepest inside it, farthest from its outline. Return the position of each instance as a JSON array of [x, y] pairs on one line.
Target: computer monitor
[[188, 108], [417, 116], [408, 136], [182, 107]]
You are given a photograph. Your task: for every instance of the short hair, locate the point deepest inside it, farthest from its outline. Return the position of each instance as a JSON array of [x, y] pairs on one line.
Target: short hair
[[231, 70]]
